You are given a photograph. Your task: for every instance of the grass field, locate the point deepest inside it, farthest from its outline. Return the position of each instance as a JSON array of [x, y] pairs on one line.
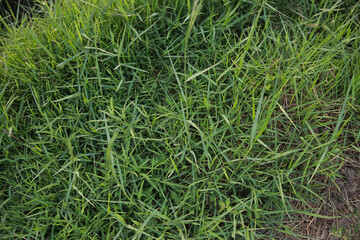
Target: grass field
[[179, 119]]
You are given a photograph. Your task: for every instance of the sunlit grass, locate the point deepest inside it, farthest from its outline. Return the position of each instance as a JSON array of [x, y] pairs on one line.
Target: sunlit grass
[[173, 119]]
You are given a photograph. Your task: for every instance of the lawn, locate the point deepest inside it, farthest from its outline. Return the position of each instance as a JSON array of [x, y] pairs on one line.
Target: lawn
[[177, 119]]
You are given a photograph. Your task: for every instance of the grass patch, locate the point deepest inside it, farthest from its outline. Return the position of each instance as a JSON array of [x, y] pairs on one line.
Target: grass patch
[[174, 119]]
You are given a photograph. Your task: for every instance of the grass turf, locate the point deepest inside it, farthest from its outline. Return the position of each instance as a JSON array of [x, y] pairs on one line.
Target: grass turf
[[174, 119]]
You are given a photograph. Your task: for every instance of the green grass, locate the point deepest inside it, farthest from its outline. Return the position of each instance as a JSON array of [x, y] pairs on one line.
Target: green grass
[[174, 119]]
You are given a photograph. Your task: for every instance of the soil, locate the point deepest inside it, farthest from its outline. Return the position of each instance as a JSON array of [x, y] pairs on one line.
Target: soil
[[342, 208]]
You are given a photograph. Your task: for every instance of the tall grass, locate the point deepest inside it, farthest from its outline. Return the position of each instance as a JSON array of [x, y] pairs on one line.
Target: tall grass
[[174, 119]]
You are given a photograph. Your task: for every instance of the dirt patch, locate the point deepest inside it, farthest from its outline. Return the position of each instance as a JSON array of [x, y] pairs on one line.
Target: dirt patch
[[341, 208]]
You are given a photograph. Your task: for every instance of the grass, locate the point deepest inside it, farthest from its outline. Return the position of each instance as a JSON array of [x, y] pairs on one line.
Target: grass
[[174, 119]]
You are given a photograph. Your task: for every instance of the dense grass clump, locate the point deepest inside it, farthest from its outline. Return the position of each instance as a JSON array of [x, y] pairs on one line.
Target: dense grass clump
[[174, 119]]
